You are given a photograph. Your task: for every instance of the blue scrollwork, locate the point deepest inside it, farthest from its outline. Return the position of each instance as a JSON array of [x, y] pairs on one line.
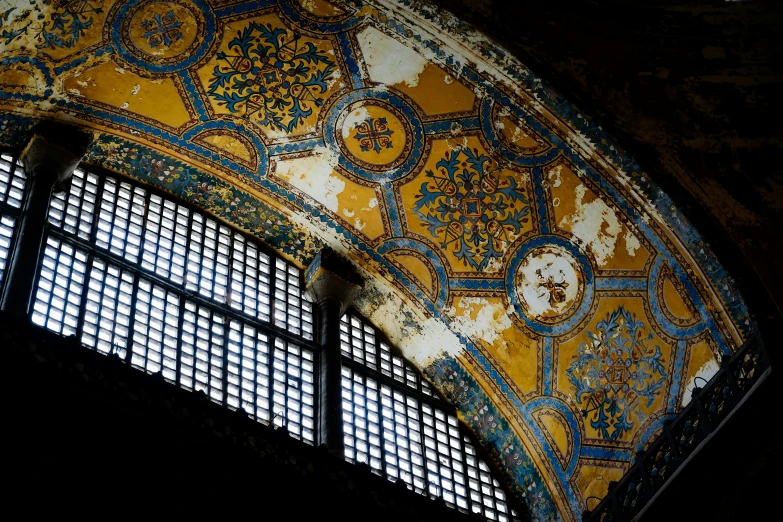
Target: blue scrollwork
[[615, 370], [472, 208], [271, 77]]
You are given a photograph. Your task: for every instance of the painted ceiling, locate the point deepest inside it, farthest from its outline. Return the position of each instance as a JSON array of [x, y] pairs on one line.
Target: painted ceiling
[[532, 271]]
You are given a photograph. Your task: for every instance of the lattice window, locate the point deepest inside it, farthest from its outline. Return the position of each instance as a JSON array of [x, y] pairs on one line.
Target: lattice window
[[394, 422], [167, 289], [61, 282], [293, 389], [182, 246], [12, 190], [107, 312], [293, 310], [362, 420]]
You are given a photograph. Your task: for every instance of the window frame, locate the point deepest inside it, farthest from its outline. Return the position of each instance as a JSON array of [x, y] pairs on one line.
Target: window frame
[[424, 394]]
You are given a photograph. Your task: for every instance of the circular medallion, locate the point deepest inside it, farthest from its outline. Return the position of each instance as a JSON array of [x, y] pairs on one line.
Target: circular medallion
[[549, 283], [378, 133], [374, 135], [162, 30], [162, 36]]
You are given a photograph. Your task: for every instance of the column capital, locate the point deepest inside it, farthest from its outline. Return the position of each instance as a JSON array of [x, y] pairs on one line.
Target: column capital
[[331, 277], [54, 151]]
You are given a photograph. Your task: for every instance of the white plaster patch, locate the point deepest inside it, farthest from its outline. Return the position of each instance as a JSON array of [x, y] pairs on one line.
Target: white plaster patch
[[548, 282], [421, 340], [359, 224], [388, 61], [706, 372], [75, 92], [356, 116], [631, 243], [595, 225], [124, 105], [135, 89], [313, 176], [372, 203], [554, 173], [491, 320]]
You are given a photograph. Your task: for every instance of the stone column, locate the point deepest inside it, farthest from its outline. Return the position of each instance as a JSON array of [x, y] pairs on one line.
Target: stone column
[[50, 157], [333, 283]]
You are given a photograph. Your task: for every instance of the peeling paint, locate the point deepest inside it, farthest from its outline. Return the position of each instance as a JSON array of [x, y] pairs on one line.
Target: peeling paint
[[313, 176], [595, 226], [699, 379], [388, 61]]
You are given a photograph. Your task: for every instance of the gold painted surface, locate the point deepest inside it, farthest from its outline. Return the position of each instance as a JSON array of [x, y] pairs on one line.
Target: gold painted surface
[[700, 355], [110, 84], [437, 92], [320, 7], [677, 304], [516, 135], [598, 226], [18, 78], [229, 144], [355, 204], [417, 268], [555, 429], [44, 28], [487, 321]]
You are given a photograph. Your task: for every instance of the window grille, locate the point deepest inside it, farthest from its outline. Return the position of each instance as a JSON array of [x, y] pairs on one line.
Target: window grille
[[12, 190], [133, 273], [394, 423]]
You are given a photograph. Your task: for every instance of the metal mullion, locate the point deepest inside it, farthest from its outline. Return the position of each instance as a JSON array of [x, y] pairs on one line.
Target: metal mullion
[[380, 420], [144, 219], [132, 321], [10, 253], [83, 300], [180, 329], [420, 410], [225, 362]]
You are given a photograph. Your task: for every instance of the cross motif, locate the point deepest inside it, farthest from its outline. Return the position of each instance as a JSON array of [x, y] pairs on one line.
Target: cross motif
[[162, 30], [373, 133]]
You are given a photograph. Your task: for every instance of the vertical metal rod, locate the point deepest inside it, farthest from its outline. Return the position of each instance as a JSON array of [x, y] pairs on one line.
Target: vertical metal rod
[[330, 422], [29, 242]]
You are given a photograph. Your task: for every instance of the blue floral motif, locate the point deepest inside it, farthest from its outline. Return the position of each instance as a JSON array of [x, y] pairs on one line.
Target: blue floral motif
[[162, 30], [272, 77], [68, 22], [373, 133], [472, 207], [614, 370]]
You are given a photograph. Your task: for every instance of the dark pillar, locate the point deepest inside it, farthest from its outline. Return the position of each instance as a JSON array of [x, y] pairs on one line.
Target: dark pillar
[[333, 283], [49, 159]]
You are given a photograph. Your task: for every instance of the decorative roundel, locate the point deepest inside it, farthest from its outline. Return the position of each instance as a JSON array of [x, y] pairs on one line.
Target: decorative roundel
[[379, 135], [163, 36], [374, 134], [550, 283]]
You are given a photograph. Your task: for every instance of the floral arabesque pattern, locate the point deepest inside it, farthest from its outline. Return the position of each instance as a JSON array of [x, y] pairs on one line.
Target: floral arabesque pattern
[[472, 208], [613, 371], [63, 26], [271, 77]]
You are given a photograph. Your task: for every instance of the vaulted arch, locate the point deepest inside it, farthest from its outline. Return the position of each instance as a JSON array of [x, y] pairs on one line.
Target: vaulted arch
[[530, 269]]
